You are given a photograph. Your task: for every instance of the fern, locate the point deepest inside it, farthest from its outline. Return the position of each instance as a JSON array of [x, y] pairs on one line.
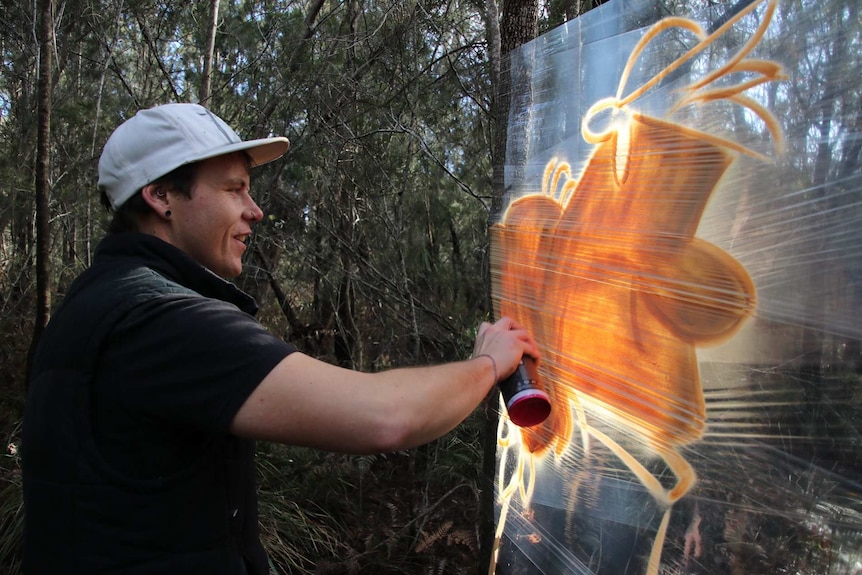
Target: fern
[[429, 539]]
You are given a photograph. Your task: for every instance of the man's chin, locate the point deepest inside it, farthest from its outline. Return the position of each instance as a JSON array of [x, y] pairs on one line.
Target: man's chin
[[228, 272]]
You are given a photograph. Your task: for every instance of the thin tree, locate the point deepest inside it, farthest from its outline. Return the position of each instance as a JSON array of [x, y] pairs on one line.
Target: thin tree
[[43, 166], [206, 80]]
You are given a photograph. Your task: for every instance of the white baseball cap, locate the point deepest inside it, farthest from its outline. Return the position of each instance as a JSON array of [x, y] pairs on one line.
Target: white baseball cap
[[156, 141]]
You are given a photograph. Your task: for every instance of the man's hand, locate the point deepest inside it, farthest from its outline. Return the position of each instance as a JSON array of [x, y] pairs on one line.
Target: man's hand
[[505, 342]]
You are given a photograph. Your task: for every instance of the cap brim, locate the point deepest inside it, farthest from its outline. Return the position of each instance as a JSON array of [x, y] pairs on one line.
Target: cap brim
[[260, 151]]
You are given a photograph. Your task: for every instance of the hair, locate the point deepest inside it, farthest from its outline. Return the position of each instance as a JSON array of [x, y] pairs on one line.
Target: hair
[[127, 217]]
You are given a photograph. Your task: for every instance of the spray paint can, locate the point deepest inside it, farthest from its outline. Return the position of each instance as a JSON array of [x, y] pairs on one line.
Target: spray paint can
[[527, 403]]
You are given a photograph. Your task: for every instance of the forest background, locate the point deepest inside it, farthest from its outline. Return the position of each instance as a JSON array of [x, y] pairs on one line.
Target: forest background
[[374, 251]]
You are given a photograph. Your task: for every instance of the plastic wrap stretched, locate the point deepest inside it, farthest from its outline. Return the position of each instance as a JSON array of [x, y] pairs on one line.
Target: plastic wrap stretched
[[682, 232]]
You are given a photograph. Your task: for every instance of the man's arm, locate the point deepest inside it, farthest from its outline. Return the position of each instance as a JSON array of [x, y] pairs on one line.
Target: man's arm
[[304, 401]]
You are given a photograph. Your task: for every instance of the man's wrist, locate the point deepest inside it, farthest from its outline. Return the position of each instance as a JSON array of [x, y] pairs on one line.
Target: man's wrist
[[493, 363]]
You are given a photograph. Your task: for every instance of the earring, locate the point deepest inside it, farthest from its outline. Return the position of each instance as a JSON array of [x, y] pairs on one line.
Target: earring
[[168, 214]]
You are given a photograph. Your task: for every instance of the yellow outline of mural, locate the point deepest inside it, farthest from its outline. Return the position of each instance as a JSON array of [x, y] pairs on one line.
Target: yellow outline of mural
[[619, 296]]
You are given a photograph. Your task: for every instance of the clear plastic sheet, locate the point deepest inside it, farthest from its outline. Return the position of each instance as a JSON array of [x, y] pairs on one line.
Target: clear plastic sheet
[[682, 232]]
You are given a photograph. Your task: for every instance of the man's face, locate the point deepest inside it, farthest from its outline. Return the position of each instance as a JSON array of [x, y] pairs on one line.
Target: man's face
[[213, 225]]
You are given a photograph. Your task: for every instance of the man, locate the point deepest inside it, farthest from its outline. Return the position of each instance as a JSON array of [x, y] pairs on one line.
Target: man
[[152, 380]]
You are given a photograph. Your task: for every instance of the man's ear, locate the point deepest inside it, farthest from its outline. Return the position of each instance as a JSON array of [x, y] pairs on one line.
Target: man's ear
[[158, 199]]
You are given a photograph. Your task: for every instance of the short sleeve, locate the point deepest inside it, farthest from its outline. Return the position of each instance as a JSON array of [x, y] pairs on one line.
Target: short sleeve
[[187, 362]]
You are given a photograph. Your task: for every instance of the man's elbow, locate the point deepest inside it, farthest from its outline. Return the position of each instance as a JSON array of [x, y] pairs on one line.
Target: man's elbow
[[394, 432]]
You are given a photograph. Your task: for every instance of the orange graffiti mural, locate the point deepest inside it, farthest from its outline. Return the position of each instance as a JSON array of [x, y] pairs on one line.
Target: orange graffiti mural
[[606, 270]]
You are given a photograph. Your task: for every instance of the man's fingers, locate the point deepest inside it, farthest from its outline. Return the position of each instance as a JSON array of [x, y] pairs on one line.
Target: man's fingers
[[512, 332]]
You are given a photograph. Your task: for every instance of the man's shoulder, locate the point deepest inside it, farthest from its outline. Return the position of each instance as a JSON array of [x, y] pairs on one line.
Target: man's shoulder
[[104, 293], [129, 282]]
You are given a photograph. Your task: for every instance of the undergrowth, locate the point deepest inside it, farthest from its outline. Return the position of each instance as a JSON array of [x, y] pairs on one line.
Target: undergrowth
[[402, 513]]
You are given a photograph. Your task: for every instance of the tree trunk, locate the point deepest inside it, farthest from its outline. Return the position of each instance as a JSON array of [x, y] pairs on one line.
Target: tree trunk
[[206, 79], [519, 25], [43, 166]]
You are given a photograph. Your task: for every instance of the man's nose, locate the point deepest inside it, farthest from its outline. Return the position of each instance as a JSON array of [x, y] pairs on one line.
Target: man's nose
[[254, 213]]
